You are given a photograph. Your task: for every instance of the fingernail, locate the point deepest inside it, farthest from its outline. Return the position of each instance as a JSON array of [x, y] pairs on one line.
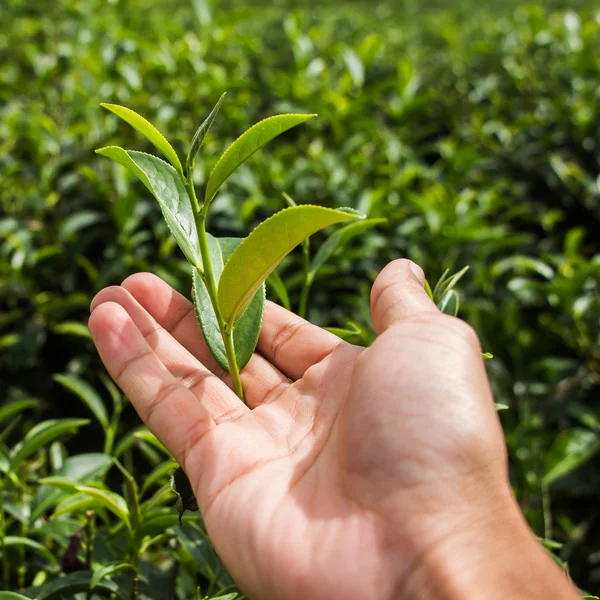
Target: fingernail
[[417, 272]]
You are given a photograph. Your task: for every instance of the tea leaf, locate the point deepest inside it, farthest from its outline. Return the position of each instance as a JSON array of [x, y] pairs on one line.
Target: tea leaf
[[428, 289], [113, 502], [199, 138], [337, 240], [258, 255], [450, 304], [449, 283], [69, 585], [131, 492], [570, 450], [147, 130], [245, 333], [246, 145], [87, 394], [14, 408], [17, 541], [42, 434], [350, 332], [276, 283], [109, 569], [77, 469], [166, 186]]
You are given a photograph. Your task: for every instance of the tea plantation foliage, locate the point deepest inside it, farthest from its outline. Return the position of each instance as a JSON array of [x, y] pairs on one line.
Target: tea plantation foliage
[[474, 133]]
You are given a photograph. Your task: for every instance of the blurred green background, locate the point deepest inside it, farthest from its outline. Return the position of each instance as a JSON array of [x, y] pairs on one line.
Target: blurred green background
[[473, 128]]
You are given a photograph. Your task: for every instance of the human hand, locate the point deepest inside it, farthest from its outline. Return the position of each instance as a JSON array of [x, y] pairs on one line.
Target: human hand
[[352, 473]]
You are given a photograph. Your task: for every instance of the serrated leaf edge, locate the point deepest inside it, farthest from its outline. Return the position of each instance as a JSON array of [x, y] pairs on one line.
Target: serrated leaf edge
[[178, 167], [359, 215], [245, 134]]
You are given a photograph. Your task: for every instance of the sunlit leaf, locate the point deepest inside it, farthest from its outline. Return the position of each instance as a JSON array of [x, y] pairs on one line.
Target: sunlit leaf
[[276, 283], [570, 450], [246, 145], [449, 304], [338, 239], [245, 334], [82, 468], [260, 253], [148, 131], [107, 570], [109, 500], [199, 138], [165, 185], [43, 433], [14, 541], [87, 394]]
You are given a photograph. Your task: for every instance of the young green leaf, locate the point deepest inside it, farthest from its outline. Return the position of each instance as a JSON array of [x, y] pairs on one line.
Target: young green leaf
[[258, 255], [43, 433], [245, 333], [350, 332], [449, 283], [199, 139], [148, 131], [69, 505], [246, 145], [157, 474], [570, 450], [109, 500], [72, 584], [40, 549], [274, 280], [440, 281], [108, 569], [14, 408], [428, 289], [449, 304], [166, 186], [78, 469], [337, 240], [131, 493], [88, 395]]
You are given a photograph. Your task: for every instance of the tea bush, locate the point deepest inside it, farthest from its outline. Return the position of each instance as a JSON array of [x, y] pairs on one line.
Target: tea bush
[[472, 131]]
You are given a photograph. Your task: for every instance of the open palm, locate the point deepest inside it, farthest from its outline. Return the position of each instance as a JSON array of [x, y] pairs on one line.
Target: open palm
[[332, 482]]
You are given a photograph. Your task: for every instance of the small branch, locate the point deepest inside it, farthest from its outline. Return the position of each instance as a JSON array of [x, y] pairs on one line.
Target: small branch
[[211, 287], [233, 366], [303, 307]]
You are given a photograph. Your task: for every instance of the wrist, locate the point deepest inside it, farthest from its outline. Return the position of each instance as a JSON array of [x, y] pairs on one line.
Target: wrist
[[494, 557]]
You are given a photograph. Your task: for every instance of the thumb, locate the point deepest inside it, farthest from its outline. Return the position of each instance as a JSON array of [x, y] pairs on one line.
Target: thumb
[[398, 294]]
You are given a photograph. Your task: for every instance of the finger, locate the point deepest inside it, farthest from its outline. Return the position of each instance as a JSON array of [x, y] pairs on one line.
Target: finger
[[293, 344], [173, 312], [167, 407], [221, 403], [398, 293], [176, 314]]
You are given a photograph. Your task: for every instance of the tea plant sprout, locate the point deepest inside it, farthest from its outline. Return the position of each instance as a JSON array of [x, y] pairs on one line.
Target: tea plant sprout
[[228, 274]]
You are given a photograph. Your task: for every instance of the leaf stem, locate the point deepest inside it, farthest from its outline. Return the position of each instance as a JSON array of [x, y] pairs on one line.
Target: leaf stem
[[208, 277], [303, 307]]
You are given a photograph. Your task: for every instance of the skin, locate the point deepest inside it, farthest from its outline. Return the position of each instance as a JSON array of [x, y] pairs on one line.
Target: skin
[[352, 473]]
